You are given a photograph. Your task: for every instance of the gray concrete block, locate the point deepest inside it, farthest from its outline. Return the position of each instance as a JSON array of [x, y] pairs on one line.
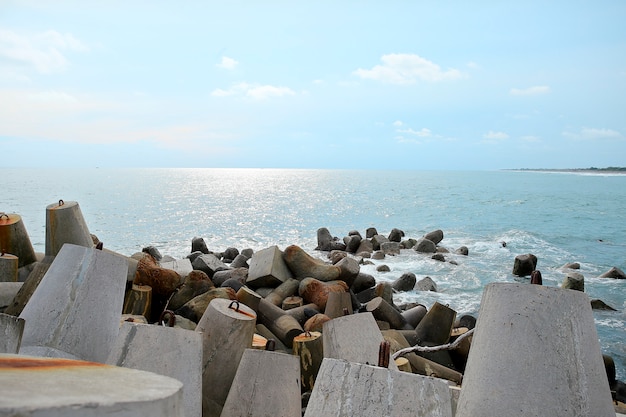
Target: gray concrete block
[[11, 330], [168, 351], [266, 384], [8, 291], [354, 338], [535, 352], [267, 268], [70, 388], [345, 389], [76, 307]]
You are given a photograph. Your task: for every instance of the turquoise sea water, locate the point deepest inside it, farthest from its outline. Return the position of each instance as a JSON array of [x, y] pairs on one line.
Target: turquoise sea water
[[559, 217]]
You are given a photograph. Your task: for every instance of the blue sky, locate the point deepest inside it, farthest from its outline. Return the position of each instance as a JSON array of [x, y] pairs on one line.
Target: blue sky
[[324, 84]]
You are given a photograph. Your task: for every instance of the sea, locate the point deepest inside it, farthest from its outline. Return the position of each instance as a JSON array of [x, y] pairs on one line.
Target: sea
[[560, 217]]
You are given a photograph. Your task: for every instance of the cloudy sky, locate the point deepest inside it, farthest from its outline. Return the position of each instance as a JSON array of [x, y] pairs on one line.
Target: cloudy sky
[[318, 84]]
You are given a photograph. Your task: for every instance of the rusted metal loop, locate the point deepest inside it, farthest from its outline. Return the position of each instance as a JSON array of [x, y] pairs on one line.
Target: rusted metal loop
[[231, 305], [5, 215], [172, 320], [270, 345], [383, 354], [61, 202]]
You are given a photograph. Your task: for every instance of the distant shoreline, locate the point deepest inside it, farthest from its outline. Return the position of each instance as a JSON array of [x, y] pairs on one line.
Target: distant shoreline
[[609, 170]]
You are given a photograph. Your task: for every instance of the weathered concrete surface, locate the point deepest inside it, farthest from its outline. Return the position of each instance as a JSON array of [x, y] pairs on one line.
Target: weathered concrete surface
[[8, 267], [345, 389], [76, 308], [266, 384], [535, 352], [227, 329], [355, 338], [65, 224], [11, 330], [267, 268], [14, 239], [8, 291], [168, 351], [38, 387]]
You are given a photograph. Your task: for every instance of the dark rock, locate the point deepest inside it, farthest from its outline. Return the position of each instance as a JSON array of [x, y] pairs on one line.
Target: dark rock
[[324, 239], [366, 246], [199, 245], [571, 265], [378, 255], [467, 321], [395, 235], [362, 282], [349, 270], [614, 273], [406, 282], [574, 281], [425, 246], [438, 257], [240, 274], [426, 284], [377, 240], [383, 268], [240, 261], [408, 243], [355, 233], [536, 278], [435, 236], [463, 250], [154, 252], [193, 255], [336, 255], [601, 305], [390, 248], [230, 253], [370, 232], [209, 263], [233, 283], [352, 243], [248, 252], [524, 265]]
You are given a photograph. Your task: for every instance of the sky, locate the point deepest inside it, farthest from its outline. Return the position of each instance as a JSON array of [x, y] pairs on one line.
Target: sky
[[436, 85]]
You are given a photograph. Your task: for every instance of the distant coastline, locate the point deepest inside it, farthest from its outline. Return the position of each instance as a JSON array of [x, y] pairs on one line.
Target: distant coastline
[[591, 170]]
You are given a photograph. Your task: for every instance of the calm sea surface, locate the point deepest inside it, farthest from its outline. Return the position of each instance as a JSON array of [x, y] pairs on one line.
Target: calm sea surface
[[559, 217]]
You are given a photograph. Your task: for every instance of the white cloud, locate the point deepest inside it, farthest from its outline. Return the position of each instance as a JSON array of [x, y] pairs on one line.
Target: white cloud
[[42, 51], [495, 135], [530, 91], [423, 133], [594, 134], [397, 123], [406, 69], [227, 63], [254, 91]]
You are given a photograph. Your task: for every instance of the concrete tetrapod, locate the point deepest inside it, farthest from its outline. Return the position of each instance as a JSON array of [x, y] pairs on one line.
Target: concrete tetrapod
[[227, 329], [346, 389], [76, 307], [535, 352], [355, 338], [14, 239], [34, 386], [168, 351], [11, 330], [267, 384], [65, 224]]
